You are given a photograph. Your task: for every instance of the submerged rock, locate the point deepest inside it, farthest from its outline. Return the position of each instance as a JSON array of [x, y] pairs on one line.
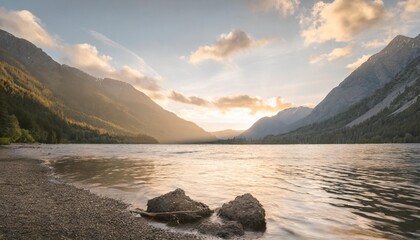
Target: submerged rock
[[246, 210], [226, 229], [176, 207]]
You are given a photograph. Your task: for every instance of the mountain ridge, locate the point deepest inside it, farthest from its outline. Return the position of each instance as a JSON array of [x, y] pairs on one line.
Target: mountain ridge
[[84, 98], [276, 124], [397, 122], [373, 74]]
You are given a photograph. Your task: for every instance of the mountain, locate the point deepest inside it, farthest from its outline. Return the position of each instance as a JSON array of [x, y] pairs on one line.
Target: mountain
[[107, 105], [280, 123], [391, 114], [227, 134], [372, 75], [28, 113]]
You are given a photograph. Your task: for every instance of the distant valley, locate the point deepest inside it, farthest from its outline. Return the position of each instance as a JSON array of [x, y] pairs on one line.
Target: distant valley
[[227, 134]]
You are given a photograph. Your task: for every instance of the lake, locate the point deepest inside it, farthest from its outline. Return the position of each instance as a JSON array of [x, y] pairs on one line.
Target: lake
[[308, 191]]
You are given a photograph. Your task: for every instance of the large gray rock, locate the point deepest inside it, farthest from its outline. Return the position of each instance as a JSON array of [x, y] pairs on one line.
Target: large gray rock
[[175, 202], [226, 229], [246, 210]]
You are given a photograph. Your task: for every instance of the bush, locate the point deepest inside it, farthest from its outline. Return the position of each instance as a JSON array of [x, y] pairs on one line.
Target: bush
[[4, 141], [13, 131], [26, 137]]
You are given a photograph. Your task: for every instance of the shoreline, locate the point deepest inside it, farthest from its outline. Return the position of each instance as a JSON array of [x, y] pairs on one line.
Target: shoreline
[[34, 206]]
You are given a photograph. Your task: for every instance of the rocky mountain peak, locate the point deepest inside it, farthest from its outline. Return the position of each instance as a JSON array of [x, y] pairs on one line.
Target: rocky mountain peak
[[401, 41], [366, 79]]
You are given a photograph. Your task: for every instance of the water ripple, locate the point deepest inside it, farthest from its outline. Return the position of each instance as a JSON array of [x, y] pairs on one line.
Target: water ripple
[[308, 191]]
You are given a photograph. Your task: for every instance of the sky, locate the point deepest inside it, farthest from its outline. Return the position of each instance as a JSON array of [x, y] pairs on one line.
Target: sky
[[221, 64]]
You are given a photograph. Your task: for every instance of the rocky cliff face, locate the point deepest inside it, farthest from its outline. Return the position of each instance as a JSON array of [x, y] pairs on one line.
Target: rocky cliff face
[[365, 80], [391, 114], [280, 123]]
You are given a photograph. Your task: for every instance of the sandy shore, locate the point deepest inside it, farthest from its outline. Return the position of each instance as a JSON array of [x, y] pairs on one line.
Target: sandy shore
[[32, 206]]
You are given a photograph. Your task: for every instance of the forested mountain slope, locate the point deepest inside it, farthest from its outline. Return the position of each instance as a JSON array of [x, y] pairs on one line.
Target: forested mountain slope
[[108, 105]]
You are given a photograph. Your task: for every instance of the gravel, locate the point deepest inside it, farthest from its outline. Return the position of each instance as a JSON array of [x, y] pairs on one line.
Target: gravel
[[32, 206]]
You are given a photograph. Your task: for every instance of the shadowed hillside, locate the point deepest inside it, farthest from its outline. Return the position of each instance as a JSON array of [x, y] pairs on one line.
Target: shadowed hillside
[[107, 105]]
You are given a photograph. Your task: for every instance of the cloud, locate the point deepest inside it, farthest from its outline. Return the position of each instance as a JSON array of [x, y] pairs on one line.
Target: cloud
[[144, 67], [377, 43], [25, 25], [316, 59], [86, 57], [223, 104], [179, 97], [284, 7], [335, 54], [136, 78], [254, 104], [338, 53], [412, 6], [341, 20], [83, 56], [226, 46], [358, 62]]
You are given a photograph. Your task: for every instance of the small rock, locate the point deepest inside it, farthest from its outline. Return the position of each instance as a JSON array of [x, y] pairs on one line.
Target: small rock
[[226, 230], [246, 210], [176, 201]]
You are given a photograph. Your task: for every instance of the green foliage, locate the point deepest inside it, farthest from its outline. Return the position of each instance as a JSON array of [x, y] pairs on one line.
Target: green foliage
[[4, 116], [26, 137], [13, 130], [4, 141]]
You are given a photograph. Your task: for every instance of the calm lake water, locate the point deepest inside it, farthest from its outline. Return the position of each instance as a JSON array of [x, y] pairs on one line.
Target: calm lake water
[[308, 191]]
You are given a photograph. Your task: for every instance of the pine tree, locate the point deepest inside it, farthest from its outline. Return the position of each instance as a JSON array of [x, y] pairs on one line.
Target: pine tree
[[13, 130], [4, 116]]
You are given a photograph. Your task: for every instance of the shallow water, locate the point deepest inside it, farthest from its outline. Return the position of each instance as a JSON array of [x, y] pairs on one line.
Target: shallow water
[[308, 191]]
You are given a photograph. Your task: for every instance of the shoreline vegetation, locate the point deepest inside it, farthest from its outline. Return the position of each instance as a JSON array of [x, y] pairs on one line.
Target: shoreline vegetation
[[38, 207]]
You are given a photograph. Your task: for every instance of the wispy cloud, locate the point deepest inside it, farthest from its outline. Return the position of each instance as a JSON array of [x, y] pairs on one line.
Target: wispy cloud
[[254, 104], [144, 67], [352, 66], [284, 7], [335, 54], [179, 97], [226, 46], [377, 43], [251, 103], [341, 20], [136, 78]]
